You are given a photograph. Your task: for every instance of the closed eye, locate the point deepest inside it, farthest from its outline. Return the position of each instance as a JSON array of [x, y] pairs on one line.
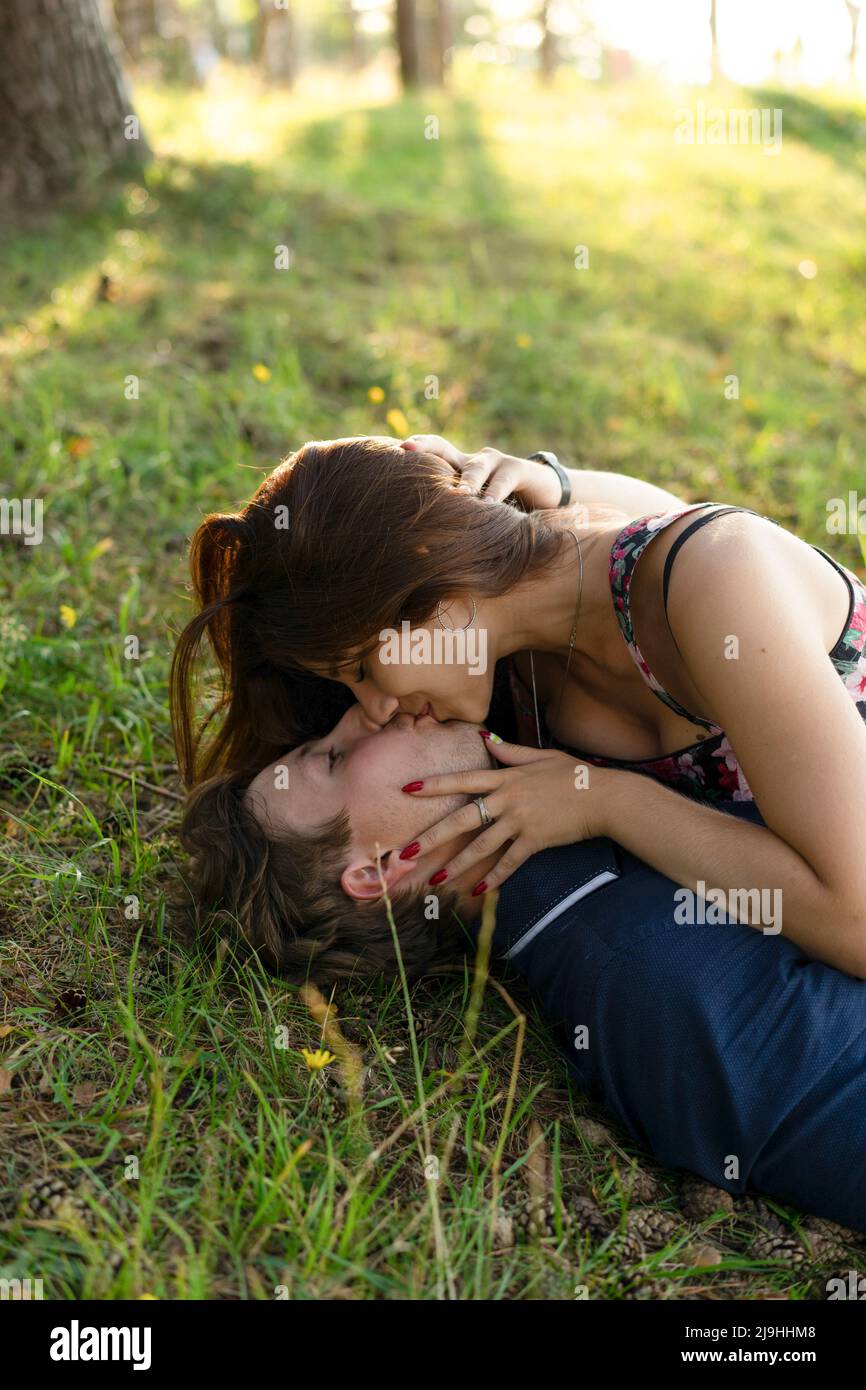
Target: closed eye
[[333, 758]]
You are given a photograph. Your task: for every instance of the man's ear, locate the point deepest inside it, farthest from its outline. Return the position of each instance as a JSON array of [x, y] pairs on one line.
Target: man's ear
[[360, 880]]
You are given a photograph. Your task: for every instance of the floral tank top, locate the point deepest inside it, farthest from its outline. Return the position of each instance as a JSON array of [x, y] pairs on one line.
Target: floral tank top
[[707, 770]]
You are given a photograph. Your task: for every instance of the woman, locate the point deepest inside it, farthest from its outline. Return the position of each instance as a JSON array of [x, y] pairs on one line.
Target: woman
[[748, 679]]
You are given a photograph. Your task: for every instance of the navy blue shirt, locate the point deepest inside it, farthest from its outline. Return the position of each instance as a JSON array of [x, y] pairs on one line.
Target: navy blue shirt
[[722, 1049]]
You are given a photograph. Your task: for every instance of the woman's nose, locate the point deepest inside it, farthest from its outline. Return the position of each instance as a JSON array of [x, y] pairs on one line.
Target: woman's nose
[[376, 707]]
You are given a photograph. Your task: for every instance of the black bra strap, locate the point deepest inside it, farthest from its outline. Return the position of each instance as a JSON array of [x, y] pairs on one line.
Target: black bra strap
[[683, 536]]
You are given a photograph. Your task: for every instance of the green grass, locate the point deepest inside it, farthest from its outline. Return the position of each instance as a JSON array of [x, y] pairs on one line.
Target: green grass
[[154, 1081]]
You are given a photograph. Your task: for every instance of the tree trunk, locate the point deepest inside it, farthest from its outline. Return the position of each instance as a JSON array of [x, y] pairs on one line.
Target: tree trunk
[[441, 39], [136, 22], [714, 40], [547, 51], [63, 100], [356, 45], [406, 33], [854, 16], [275, 42]]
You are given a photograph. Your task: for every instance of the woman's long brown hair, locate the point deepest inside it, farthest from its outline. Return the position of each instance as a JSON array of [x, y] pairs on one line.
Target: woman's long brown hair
[[343, 539]]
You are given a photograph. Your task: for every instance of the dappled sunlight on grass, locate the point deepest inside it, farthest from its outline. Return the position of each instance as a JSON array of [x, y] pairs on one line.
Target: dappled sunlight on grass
[[237, 117]]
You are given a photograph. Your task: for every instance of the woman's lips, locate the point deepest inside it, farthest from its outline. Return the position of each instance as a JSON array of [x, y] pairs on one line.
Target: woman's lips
[[426, 712]]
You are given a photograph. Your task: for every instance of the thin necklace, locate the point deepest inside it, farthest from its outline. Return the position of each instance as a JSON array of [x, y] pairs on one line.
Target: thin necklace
[[571, 641]]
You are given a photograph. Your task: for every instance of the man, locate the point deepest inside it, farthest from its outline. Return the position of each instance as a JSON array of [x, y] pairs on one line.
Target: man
[[721, 1048]]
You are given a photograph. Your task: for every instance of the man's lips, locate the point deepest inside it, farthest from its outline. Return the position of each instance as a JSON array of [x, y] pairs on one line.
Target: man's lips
[[427, 712]]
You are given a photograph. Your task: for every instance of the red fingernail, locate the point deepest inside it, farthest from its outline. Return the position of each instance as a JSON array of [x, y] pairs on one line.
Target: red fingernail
[[439, 877], [479, 889], [410, 851], [413, 786], [485, 733]]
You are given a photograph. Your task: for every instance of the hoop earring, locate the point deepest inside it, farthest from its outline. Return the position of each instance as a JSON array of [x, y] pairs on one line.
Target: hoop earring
[[456, 629]]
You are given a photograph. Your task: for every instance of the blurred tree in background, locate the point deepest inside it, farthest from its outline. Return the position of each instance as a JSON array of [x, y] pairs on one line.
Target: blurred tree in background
[[63, 100], [64, 103], [136, 24], [854, 16], [275, 41], [182, 40]]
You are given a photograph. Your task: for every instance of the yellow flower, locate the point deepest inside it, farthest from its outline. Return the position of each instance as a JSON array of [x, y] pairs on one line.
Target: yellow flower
[[398, 423], [523, 340], [151, 1296], [261, 372], [318, 1059], [376, 395], [68, 616]]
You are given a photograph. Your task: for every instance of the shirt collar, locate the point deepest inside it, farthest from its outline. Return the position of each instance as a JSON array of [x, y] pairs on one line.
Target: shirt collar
[[548, 884]]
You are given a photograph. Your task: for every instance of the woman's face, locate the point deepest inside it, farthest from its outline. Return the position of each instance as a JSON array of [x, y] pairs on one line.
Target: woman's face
[[425, 668]]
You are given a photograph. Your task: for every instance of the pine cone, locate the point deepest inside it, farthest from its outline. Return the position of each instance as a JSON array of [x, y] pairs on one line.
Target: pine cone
[[650, 1289], [826, 1241], [832, 1230], [589, 1219], [641, 1186], [654, 1226], [537, 1218], [785, 1249], [51, 1199], [700, 1199], [628, 1247], [594, 1132], [754, 1210]]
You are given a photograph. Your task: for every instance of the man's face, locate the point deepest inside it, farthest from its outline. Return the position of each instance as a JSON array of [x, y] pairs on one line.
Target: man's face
[[360, 767]]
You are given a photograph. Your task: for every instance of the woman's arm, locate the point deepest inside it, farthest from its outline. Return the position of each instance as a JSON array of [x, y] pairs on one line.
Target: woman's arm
[[504, 475], [619, 490], [798, 738], [780, 890]]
